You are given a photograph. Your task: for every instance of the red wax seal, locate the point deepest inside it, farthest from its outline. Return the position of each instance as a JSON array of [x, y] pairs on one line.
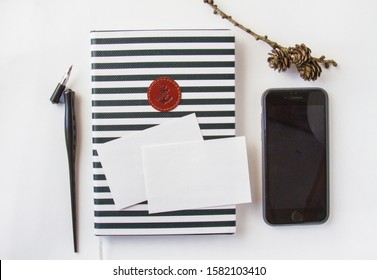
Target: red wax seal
[[164, 94]]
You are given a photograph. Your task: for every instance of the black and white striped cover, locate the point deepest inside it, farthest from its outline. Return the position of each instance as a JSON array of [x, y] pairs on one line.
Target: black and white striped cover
[[124, 64]]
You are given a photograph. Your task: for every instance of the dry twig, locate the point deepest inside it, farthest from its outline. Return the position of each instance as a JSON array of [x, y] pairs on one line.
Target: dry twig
[[281, 58]]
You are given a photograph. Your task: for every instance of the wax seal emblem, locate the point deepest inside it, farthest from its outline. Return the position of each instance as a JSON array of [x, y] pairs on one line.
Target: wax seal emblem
[[164, 94]]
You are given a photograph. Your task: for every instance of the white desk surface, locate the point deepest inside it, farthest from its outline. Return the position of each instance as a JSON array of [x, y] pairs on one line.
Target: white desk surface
[[40, 39]]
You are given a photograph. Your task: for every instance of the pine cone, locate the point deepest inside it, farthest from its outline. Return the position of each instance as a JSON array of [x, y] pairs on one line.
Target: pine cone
[[299, 54], [279, 59], [309, 70]]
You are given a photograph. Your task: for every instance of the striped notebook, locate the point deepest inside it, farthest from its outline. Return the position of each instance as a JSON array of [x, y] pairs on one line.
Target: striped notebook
[[124, 64]]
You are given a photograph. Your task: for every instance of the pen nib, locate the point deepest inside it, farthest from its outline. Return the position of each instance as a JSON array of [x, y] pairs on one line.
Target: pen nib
[[66, 76], [69, 70]]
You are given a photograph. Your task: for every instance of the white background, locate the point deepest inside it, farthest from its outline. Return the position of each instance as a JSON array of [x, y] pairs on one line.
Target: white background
[[39, 40]]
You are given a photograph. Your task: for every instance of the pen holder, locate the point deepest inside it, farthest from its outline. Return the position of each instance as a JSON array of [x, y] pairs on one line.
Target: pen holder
[[70, 137]]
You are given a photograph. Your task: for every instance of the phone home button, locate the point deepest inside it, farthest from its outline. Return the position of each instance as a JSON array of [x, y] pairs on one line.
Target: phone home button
[[297, 216]]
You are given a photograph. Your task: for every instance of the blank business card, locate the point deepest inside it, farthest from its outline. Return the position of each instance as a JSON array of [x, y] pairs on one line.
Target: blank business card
[[122, 162], [196, 174]]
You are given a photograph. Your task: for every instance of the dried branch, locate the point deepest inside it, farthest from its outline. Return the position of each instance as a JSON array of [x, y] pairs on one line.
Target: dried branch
[[281, 58]]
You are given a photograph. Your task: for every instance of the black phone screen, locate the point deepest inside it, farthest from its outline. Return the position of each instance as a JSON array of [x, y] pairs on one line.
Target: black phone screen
[[295, 156]]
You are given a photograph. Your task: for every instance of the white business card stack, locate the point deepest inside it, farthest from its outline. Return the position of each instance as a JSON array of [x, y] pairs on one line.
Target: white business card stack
[[173, 168]]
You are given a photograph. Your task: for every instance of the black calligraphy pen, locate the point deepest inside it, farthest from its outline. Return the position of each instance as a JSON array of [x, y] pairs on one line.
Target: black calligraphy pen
[[70, 138]]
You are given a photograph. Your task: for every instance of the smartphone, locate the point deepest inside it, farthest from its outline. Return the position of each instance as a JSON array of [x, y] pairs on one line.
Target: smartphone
[[295, 156]]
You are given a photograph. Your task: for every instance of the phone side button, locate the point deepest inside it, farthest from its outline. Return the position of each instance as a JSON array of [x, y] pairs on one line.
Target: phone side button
[[297, 216]]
